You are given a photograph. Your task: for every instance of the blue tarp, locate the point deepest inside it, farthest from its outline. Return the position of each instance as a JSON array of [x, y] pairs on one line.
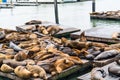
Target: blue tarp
[[4, 0]]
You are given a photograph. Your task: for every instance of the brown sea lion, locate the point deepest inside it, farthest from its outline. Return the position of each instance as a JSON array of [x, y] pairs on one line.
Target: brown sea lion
[[5, 56], [13, 63], [37, 71], [115, 35], [53, 29], [21, 55], [42, 29], [62, 64], [22, 72], [82, 37], [6, 68]]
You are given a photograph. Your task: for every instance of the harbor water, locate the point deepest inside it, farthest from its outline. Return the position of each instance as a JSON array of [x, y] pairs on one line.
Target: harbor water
[[70, 14]]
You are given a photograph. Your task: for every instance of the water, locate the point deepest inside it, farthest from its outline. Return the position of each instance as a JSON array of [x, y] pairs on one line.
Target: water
[[70, 14]]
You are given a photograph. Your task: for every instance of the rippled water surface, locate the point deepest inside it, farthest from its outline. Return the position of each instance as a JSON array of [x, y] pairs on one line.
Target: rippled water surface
[[70, 14]]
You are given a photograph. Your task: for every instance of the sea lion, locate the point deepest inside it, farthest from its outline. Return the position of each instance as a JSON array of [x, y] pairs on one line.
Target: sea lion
[[7, 51], [6, 68], [32, 36], [62, 64], [114, 70], [2, 35], [97, 44], [33, 22], [22, 72], [42, 29], [82, 37], [21, 55], [4, 56], [90, 57], [107, 54], [98, 74], [29, 61], [115, 35], [53, 29], [68, 50], [13, 63], [37, 71]]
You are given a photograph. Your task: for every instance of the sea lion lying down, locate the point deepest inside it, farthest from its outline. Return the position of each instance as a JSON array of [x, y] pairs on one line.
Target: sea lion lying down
[[116, 35], [114, 70], [22, 72], [37, 71], [33, 22], [6, 68], [107, 54], [98, 74]]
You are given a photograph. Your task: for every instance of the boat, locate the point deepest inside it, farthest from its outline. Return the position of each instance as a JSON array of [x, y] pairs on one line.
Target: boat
[[6, 5], [45, 1]]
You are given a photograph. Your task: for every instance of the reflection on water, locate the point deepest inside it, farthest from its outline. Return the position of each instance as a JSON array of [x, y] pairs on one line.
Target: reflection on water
[[105, 23], [70, 14]]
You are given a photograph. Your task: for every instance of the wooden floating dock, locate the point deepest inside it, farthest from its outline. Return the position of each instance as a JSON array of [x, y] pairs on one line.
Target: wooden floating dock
[[108, 15], [104, 17], [64, 73], [99, 34], [101, 63], [64, 33], [88, 75]]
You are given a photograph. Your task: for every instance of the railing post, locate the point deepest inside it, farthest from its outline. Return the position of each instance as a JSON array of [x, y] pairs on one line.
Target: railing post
[[93, 6], [56, 11]]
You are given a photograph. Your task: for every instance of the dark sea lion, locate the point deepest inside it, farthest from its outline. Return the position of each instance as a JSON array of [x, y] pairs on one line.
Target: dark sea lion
[[2, 35], [68, 51], [98, 74], [95, 53], [90, 57], [107, 54], [118, 62], [33, 22], [114, 70]]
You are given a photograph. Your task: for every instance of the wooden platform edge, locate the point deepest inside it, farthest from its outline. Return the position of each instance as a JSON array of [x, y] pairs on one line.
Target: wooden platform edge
[[97, 39], [70, 70]]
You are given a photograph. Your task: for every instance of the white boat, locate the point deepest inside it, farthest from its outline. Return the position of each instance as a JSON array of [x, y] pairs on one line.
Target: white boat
[[44, 1], [6, 5], [26, 4]]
